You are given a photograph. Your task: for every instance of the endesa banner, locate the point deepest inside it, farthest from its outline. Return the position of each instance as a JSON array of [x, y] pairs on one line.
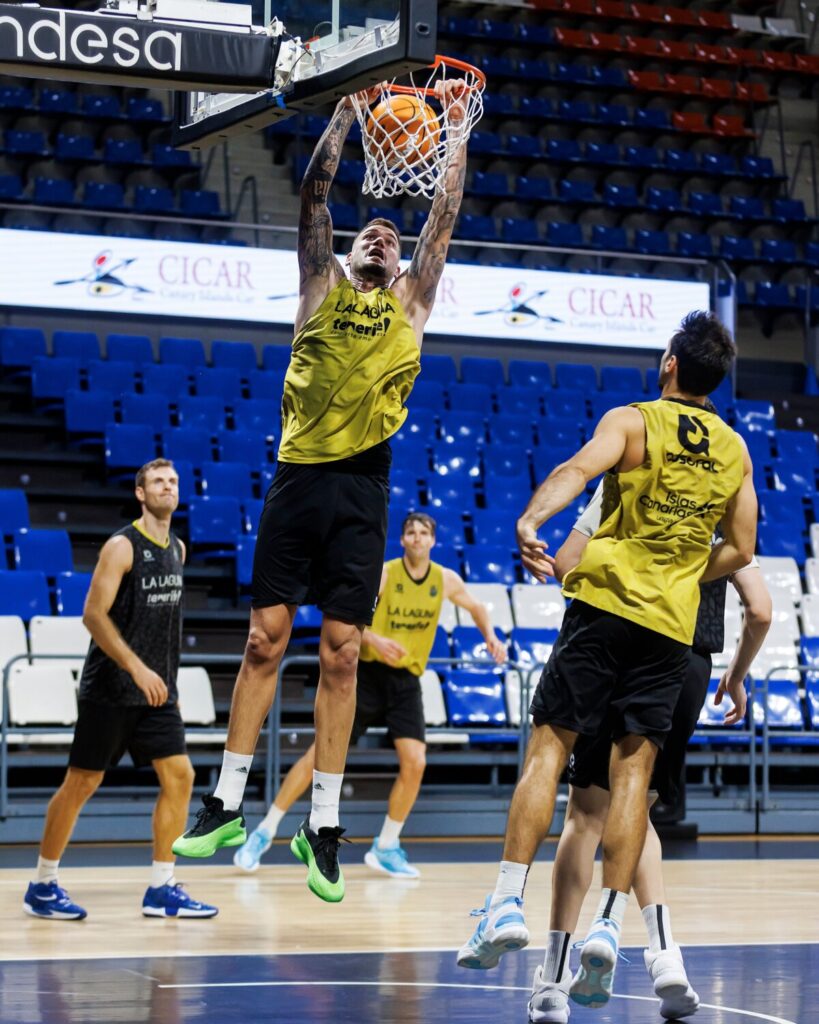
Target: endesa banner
[[229, 283]]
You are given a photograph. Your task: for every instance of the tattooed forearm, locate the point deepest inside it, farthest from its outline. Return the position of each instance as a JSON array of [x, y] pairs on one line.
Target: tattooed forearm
[[430, 253], [315, 224]]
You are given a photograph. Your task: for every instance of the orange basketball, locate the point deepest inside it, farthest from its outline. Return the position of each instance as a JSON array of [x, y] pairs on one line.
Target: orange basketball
[[404, 128]]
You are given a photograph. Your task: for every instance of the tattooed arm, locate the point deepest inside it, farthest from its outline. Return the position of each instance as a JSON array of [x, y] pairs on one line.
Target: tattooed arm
[[417, 287], [319, 270]]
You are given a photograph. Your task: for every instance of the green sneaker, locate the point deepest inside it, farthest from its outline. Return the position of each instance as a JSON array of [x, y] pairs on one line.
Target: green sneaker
[[320, 853], [215, 827]]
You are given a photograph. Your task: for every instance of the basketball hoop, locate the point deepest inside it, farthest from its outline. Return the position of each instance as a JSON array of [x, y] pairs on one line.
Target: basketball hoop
[[408, 146]]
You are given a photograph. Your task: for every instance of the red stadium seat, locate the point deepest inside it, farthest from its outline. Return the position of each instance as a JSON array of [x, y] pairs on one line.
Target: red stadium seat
[[745, 58], [710, 54], [690, 122], [648, 12], [612, 9], [777, 60], [571, 38], [650, 81], [682, 16], [642, 46], [579, 7], [731, 124], [807, 63], [715, 19], [675, 51], [752, 92], [684, 85], [717, 88], [606, 41]]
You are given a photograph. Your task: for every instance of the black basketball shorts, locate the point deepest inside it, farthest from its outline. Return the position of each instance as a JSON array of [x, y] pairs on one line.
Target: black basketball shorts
[[606, 671], [104, 732], [589, 762], [321, 541], [388, 696]]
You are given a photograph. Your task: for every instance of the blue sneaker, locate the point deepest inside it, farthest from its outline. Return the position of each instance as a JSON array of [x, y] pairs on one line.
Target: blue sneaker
[[47, 899], [247, 857], [598, 957], [391, 861], [173, 901], [502, 930]]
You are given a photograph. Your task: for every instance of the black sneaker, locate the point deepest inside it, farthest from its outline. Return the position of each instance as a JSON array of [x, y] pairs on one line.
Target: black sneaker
[[319, 851], [215, 827]]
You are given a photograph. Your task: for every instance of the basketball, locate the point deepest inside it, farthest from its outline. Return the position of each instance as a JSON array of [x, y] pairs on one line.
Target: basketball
[[406, 126]]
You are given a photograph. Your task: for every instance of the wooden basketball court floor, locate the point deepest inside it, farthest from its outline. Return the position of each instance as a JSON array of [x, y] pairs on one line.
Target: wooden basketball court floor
[[747, 914]]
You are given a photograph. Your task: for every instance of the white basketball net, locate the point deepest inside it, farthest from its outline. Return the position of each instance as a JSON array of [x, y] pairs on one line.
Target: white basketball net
[[398, 162]]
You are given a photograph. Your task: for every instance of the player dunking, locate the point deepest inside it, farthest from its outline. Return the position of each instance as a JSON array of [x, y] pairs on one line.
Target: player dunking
[[323, 529], [623, 650], [394, 656], [588, 804], [128, 698]]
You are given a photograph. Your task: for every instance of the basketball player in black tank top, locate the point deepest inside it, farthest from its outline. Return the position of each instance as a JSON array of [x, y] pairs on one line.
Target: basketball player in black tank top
[[128, 698]]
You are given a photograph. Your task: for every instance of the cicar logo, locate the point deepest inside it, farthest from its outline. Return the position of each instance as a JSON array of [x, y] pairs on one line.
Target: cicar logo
[[692, 434]]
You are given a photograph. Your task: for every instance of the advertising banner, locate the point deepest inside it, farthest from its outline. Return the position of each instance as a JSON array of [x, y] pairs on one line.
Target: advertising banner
[[107, 276]]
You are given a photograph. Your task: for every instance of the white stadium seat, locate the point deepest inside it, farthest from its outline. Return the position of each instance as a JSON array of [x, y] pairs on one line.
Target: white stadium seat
[[41, 695], [772, 655], [810, 614], [782, 574], [433, 698], [496, 598], [812, 573], [12, 639], [814, 539], [784, 621], [536, 606], [196, 705], [59, 634], [733, 621], [449, 617]]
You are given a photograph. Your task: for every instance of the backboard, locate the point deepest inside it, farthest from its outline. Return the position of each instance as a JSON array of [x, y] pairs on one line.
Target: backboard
[[327, 49]]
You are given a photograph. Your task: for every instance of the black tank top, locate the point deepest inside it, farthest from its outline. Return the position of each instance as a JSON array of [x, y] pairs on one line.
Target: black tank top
[[709, 633], [148, 613]]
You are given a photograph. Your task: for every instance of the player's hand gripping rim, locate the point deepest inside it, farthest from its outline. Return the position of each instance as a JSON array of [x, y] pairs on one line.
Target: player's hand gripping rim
[[533, 552], [735, 689]]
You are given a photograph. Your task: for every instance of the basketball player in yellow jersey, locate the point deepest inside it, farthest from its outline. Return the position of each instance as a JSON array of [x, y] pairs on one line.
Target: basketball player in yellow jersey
[[394, 655], [676, 470], [356, 353]]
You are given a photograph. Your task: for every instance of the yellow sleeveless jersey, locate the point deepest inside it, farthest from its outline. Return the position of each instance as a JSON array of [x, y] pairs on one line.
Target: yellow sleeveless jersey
[[408, 612], [645, 560], [352, 367]]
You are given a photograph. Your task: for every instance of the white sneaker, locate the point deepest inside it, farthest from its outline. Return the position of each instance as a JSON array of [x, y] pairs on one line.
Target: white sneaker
[[592, 984], [248, 856], [502, 930], [549, 1003], [671, 985]]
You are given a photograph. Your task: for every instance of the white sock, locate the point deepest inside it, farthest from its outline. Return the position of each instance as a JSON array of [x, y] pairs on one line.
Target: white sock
[[612, 907], [390, 832], [556, 961], [162, 873], [511, 880], [272, 820], [326, 795], [657, 917], [230, 788], [47, 870]]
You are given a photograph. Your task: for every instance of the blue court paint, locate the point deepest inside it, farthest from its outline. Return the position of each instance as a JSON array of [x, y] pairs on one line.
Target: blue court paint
[[742, 985]]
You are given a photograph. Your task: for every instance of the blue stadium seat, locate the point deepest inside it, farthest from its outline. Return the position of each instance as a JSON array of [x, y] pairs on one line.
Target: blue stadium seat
[[784, 706], [576, 191], [546, 457], [88, 412], [694, 246], [276, 357], [565, 236], [135, 348], [226, 479], [79, 345], [101, 106], [237, 355], [604, 237], [682, 160], [565, 150], [471, 398], [145, 108], [53, 192], [128, 445], [440, 645], [566, 404], [188, 351], [664, 200], [403, 490], [642, 156], [449, 532], [244, 446], [200, 203], [519, 401], [718, 163], [607, 153], [215, 521], [774, 296], [170, 379], [74, 147], [781, 540], [222, 382], [20, 346], [11, 186], [652, 243], [493, 527], [504, 460], [489, 184], [488, 564], [732, 248], [613, 114], [505, 428], [706, 204], [46, 551], [252, 509], [189, 443], [438, 368], [509, 492], [757, 167], [426, 394], [788, 209], [798, 445], [463, 426], [759, 447], [774, 250], [484, 142], [153, 410], [267, 384], [474, 698], [521, 232], [620, 195], [794, 476], [477, 227], [52, 377], [524, 146], [152, 199], [25, 144], [532, 646], [533, 188], [525, 373], [16, 97], [24, 594], [626, 380], [477, 370], [746, 207], [420, 425], [187, 480], [576, 376], [651, 117], [121, 152], [461, 461], [450, 492], [70, 590], [204, 411], [13, 510], [106, 375], [754, 414], [468, 644], [257, 415]]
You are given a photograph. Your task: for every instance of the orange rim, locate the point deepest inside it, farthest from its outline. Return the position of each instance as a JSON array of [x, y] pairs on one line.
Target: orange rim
[[453, 62]]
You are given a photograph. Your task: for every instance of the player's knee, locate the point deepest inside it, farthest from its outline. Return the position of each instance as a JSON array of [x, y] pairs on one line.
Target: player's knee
[[178, 779], [414, 763], [262, 648], [81, 784], [339, 664]]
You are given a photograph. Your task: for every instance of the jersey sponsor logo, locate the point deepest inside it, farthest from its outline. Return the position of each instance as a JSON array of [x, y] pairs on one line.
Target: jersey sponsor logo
[[675, 505], [147, 555], [693, 435], [433, 591], [376, 312], [706, 465], [162, 589]]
